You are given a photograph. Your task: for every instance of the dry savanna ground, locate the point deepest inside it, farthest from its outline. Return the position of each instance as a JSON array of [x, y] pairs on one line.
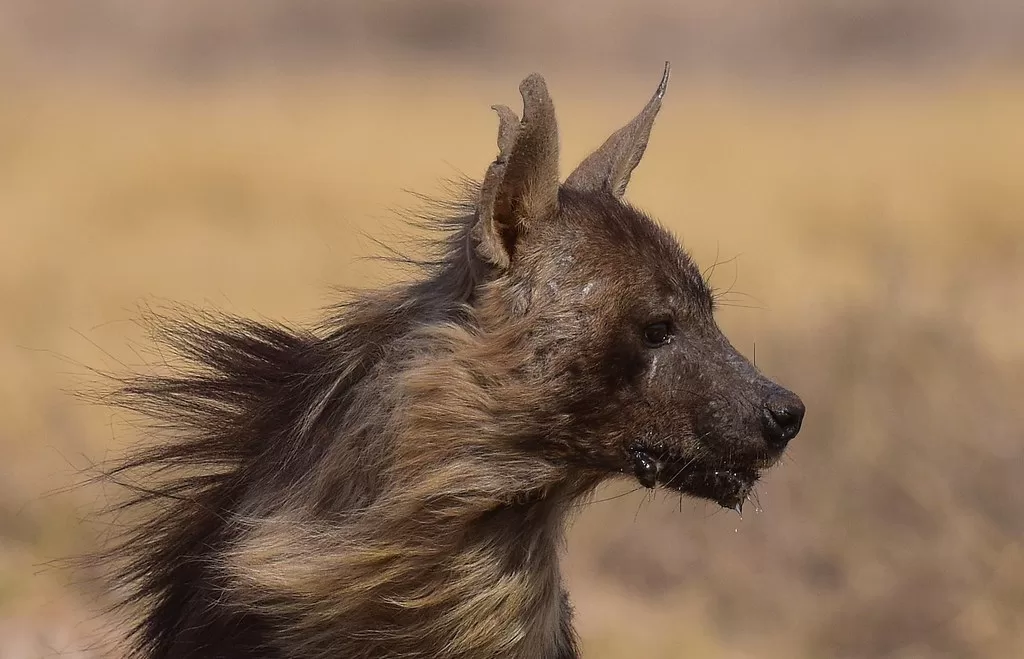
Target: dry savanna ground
[[870, 238]]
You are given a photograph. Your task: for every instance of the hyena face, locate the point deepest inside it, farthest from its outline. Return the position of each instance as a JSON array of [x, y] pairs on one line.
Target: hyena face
[[624, 320], [671, 401]]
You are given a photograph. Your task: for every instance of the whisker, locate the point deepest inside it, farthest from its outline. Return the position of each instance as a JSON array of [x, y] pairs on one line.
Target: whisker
[[612, 498], [640, 505], [756, 500], [736, 305]]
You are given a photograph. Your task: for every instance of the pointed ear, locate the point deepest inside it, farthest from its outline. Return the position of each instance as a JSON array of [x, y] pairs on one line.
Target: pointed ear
[[610, 167], [521, 185]]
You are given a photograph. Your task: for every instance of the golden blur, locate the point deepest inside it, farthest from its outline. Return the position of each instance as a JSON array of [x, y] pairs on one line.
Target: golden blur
[[869, 240]]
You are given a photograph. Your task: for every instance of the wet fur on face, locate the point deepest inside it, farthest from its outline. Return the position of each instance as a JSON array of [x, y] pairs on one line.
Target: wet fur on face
[[396, 482]]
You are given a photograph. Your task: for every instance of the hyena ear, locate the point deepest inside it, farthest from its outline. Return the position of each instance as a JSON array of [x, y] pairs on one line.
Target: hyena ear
[[521, 185], [609, 168]]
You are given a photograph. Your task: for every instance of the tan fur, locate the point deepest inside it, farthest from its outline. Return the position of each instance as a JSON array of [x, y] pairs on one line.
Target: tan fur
[[433, 566]]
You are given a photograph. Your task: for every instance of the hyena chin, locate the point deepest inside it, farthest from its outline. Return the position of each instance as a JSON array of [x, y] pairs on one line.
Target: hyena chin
[[396, 482]]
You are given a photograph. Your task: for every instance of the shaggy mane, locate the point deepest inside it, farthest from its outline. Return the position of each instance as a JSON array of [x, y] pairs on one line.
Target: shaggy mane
[[250, 405]]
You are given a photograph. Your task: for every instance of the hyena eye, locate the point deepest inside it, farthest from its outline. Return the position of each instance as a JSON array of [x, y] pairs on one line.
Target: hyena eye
[[658, 334]]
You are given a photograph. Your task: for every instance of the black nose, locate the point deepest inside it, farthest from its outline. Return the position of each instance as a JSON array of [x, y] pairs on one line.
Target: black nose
[[783, 414]]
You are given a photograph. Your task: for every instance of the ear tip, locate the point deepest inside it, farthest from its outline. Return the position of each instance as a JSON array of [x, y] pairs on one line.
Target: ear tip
[[533, 86], [503, 111], [533, 79], [663, 85], [508, 124]]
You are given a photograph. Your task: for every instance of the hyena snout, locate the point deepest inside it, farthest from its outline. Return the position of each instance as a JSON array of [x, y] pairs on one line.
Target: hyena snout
[[782, 414]]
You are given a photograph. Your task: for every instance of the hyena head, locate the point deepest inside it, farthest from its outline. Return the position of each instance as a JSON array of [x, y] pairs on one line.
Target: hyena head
[[632, 371]]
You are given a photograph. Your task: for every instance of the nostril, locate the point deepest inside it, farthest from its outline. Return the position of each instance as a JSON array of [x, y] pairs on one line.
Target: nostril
[[783, 415]]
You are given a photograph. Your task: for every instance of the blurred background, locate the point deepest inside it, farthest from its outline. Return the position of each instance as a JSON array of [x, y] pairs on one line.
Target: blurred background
[[854, 169]]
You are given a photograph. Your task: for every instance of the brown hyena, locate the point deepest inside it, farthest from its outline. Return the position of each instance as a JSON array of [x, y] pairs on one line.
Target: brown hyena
[[396, 483]]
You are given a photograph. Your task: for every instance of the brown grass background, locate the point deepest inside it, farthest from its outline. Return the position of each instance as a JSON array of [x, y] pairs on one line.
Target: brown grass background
[[862, 195]]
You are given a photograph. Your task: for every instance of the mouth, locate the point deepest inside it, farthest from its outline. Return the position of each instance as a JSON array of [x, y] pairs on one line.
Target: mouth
[[727, 485]]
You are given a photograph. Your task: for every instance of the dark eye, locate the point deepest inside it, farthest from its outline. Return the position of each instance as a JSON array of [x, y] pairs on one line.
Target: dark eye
[[657, 334]]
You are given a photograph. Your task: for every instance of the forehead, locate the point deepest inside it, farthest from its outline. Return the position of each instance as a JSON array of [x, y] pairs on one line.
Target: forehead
[[598, 236]]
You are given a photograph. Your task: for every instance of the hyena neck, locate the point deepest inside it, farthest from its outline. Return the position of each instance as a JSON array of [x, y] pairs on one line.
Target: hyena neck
[[524, 586], [395, 508], [452, 552], [481, 586]]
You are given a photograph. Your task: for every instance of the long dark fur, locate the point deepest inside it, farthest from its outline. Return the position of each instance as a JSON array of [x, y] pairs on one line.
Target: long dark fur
[[251, 406]]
